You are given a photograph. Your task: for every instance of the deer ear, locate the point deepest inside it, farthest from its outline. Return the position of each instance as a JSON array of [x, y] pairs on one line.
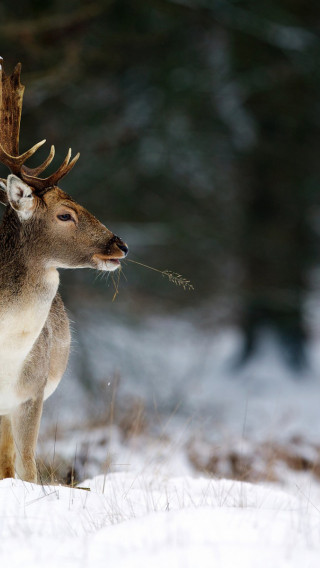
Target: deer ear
[[20, 197], [3, 192]]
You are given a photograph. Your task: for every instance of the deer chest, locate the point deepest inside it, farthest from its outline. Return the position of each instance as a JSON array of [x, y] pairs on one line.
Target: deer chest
[[19, 330]]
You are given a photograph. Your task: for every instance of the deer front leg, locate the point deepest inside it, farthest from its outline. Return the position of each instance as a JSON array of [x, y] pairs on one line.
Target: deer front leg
[[25, 428], [7, 453]]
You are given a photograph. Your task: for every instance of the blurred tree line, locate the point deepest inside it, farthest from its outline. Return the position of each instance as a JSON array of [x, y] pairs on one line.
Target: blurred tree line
[[198, 122]]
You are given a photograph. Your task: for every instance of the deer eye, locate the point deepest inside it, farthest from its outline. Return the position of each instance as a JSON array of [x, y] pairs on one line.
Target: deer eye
[[65, 217]]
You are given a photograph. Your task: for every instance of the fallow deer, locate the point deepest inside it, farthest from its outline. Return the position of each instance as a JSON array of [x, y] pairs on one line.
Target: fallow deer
[[43, 229]]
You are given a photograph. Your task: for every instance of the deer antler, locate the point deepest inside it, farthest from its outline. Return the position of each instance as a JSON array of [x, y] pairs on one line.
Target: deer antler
[[41, 184], [11, 98]]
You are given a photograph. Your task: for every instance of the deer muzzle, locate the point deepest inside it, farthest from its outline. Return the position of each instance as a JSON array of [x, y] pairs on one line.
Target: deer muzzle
[[114, 252]]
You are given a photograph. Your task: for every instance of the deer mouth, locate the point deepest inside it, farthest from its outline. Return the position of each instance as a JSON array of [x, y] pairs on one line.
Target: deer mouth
[[106, 263], [114, 261]]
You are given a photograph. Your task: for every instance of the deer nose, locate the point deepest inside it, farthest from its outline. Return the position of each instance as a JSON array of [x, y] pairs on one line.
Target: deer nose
[[124, 248]]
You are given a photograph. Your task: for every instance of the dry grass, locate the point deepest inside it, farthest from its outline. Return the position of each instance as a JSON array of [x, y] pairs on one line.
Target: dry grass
[[265, 461], [268, 461], [128, 419]]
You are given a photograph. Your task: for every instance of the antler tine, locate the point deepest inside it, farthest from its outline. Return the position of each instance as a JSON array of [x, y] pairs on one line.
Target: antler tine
[[15, 163], [64, 163], [36, 171], [41, 184]]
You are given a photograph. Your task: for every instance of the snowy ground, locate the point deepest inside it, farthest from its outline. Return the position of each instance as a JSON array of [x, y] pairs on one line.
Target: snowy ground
[[166, 419], [128, 520]]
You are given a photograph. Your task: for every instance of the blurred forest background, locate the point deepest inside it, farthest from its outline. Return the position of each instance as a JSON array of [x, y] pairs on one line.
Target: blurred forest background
[[198, 124]]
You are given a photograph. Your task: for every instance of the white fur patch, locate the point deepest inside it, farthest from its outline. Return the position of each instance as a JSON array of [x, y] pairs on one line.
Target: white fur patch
[[106, 265], [20, 327], [19, 330]]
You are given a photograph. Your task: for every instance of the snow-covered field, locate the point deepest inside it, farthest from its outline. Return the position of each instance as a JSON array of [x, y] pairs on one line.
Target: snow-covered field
[[128, 520], [162, 440]]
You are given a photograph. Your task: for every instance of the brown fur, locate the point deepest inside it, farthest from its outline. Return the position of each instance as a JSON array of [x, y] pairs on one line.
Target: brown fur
[[30, 252]]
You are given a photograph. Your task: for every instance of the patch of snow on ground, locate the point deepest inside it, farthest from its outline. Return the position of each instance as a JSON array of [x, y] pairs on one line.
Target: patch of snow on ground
[[132, 520]]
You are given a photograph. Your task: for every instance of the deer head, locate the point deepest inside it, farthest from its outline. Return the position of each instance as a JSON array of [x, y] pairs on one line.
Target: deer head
[[50, 224]]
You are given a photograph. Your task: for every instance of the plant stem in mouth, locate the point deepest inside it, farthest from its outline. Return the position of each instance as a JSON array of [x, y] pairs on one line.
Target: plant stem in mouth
[[174, 277]]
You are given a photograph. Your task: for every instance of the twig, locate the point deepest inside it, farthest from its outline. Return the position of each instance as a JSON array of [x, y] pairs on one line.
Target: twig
[[173, 277]]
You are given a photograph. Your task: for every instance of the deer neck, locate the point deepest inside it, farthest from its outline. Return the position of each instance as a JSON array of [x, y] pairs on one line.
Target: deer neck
[[27, 289], [24, 274]]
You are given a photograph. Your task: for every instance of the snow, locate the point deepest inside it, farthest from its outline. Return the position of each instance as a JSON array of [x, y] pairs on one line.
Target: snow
[[152, 508], [128, 519]]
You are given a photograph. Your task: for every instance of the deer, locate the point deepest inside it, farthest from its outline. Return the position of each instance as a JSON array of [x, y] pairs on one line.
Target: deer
[[43, 229]]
